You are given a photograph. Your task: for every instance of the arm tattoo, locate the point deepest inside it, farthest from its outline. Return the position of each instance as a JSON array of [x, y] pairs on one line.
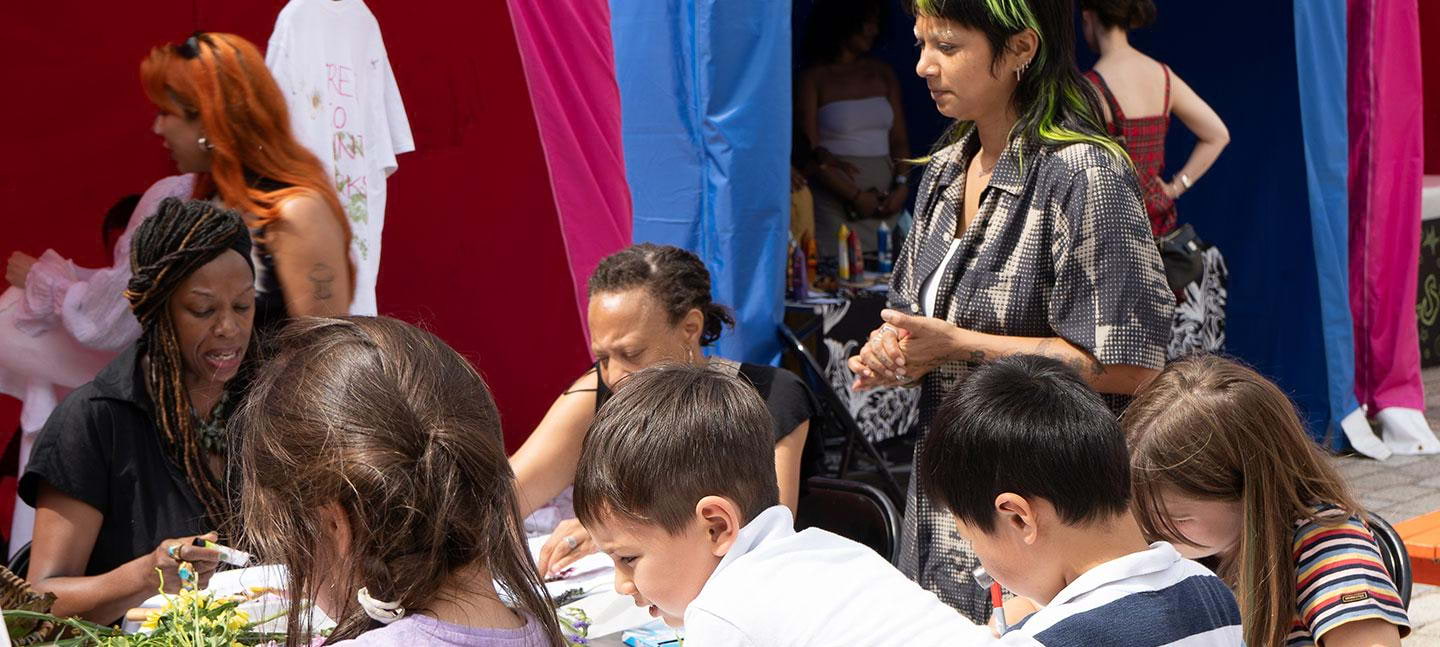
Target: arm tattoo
[[977, 356], [1081, 364], [321, 276]]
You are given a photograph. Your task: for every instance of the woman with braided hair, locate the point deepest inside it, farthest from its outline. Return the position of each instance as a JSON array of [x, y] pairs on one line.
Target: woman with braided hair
[[129, 468]]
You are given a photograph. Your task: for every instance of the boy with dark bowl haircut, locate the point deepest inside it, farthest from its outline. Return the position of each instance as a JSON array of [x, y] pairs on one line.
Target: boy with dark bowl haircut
[[1034, 467]]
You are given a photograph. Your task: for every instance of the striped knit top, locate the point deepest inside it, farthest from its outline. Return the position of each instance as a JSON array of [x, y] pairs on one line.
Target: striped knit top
[[1339, 578]]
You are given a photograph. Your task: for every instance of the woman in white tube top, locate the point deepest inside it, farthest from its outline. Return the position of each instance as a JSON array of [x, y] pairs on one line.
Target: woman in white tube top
[[849, 105]]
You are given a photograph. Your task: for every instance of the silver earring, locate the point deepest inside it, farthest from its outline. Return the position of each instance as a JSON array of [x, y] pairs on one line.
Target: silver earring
[[1019, 71], [205, 144], [690, 354]]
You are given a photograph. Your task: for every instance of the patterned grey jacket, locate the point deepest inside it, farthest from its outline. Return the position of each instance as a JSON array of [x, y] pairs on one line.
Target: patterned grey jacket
[[1061, 247]]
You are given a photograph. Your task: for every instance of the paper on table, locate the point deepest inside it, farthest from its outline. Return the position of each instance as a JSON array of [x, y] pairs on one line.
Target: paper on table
[[582, 567], [240, 580], [609, 612]]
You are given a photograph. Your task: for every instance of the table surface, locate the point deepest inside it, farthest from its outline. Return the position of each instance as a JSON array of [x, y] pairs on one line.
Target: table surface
[[610, 613]]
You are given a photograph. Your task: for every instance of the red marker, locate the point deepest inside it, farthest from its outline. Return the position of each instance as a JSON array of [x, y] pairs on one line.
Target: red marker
[[997, 599]]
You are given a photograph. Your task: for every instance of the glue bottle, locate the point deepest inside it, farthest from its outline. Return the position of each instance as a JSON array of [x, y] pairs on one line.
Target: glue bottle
[[882, 244]]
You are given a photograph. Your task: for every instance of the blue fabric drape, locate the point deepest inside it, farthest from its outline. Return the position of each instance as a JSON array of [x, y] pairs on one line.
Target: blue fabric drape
[[1258, 202], [706, 118], [1320, 55]]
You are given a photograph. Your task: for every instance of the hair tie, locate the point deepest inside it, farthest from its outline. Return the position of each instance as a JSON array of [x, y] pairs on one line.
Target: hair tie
[[381, 612]]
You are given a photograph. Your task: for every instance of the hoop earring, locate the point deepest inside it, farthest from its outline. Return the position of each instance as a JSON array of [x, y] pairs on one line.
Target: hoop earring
[[205, 144]]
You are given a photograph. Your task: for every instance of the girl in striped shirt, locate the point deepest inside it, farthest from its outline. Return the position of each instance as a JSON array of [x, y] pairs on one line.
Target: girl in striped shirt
[[1223, 469]]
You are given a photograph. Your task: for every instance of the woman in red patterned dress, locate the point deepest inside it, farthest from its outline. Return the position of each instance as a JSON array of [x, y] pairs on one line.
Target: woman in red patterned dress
[[1139, 95]]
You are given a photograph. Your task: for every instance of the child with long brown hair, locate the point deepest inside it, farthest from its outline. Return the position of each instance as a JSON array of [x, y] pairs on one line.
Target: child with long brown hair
[[1223, 469], [223, 117], [373, 468]]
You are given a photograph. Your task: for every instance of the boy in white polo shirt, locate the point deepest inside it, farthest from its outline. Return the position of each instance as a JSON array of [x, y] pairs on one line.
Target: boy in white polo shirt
[[1034, 467], [676, 482]]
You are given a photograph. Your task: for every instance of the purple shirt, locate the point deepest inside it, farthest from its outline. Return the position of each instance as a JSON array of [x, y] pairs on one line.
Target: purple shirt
[[423, 630]]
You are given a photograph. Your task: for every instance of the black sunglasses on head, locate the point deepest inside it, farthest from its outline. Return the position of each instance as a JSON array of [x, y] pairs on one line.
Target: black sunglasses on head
[[191, 47]]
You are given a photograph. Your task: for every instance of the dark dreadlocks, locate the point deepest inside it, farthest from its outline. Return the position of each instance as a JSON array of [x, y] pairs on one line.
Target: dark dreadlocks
[[168, 247]]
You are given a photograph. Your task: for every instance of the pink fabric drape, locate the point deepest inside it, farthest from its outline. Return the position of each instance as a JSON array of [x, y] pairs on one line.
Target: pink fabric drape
[[570, 69], [1386, 164]]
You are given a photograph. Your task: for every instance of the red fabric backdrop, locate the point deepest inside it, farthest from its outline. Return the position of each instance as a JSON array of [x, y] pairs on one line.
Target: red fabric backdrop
[[472, 244]]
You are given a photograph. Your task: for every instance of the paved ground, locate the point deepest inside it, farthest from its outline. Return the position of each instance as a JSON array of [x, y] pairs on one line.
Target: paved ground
[[1398, 489]]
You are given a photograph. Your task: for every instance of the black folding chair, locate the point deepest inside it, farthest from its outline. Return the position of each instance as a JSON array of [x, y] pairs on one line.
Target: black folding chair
[[854, 510], [1394, 554], [19, 563], [840, 428]]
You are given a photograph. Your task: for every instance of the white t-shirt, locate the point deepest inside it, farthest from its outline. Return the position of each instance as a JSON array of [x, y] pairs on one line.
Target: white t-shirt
[[779, 588], [930, 290], [329, 59]]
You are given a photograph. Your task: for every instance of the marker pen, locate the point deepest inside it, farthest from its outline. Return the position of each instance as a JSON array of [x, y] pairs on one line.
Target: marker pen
[[997, 598], [228, 555]]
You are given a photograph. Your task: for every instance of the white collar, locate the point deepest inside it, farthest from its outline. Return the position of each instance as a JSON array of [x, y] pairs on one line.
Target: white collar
[[1159, 557], [774, 523]]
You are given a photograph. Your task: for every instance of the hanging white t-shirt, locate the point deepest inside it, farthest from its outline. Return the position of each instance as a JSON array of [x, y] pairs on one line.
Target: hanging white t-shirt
[[330, 62]]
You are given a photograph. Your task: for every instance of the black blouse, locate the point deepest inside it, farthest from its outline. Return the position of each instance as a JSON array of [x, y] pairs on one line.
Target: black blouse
[[102, 446], [790, 403], [271, 313]]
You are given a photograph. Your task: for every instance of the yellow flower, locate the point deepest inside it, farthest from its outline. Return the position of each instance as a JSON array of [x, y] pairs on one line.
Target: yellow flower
[[152, 620], [237, 621]]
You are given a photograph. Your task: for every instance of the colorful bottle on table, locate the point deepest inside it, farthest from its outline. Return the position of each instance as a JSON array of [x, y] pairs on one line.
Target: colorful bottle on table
[[797, 273], [843, 262], [789, 270], [882, 246], [811, 263], [857, 259]]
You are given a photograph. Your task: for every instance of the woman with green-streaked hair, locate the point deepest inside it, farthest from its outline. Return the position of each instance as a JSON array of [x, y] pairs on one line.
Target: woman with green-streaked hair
[[1030, 237]]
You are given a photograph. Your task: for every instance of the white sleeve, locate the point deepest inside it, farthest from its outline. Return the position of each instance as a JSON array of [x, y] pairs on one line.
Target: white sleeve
[[395, 119], [705, 629], [277, 51], [90, 304]]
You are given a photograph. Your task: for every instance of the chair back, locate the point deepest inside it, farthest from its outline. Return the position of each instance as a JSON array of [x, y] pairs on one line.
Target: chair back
[[20, 562], [857, 511], [839, 428], [1394, 554]]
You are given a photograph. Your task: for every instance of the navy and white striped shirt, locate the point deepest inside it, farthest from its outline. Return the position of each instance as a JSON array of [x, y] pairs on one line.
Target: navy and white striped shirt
[[1153, 598]]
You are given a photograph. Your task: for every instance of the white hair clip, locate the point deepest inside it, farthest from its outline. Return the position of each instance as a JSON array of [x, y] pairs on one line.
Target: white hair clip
[[381, 612]]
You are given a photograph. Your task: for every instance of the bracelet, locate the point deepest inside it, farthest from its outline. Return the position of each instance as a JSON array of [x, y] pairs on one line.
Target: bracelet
[[1185, 180]]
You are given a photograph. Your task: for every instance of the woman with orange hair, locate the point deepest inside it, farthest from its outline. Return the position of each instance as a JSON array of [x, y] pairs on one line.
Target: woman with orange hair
[[224, 118]]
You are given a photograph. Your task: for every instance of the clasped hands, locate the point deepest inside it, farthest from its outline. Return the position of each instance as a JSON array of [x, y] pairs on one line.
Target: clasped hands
[[902, 350]]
